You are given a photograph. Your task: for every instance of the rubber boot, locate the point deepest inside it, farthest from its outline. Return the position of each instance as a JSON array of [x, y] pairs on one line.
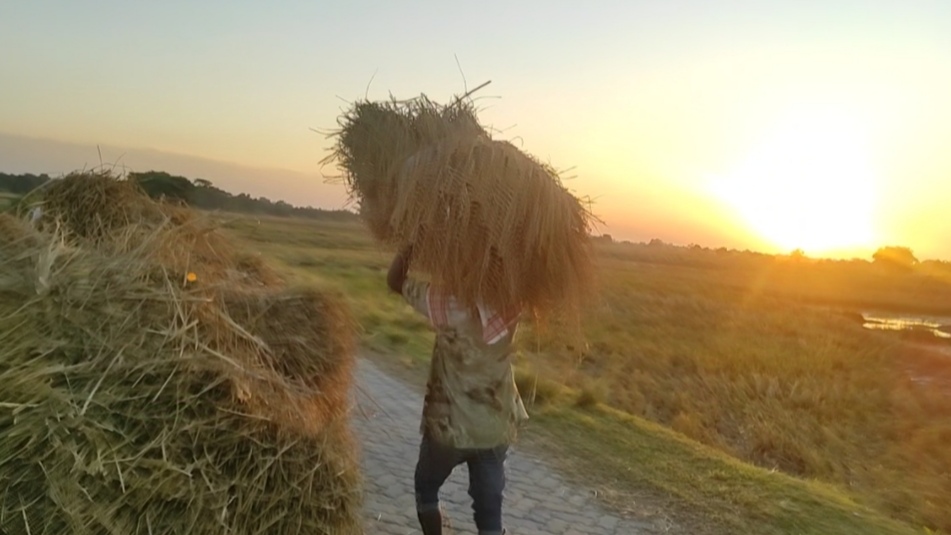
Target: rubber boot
[[430, 522]]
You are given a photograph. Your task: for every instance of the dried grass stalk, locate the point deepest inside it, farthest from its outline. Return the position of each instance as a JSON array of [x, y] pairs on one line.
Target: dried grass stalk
[[132, 404], [484, 218]]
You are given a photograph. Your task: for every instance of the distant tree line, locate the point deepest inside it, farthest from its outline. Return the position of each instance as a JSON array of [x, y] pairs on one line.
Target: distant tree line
[[198, 193], [22, 184], [891, 258]]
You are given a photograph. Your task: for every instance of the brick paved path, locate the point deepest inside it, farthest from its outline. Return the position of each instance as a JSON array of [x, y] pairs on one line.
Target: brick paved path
[[537, 501]]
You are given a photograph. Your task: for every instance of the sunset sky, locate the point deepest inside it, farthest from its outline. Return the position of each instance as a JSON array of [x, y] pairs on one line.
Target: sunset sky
[[824, 125]]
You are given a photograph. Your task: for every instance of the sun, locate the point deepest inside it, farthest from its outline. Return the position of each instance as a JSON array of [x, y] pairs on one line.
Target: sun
[[808, 184]]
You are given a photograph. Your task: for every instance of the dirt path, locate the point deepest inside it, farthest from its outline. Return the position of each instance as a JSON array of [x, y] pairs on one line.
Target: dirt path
[[538, 500]]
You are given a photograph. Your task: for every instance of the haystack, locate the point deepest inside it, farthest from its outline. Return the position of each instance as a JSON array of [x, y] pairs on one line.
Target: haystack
[[485, 220], [305, 338], [103, 210], [189, 243], [97, 204], [131, 403]]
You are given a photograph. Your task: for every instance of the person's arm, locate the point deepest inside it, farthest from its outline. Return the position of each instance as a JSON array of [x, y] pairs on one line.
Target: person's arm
[[415, 292], [396, 277]]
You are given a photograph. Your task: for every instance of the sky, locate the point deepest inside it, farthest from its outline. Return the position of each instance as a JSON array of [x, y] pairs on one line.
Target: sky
[[820, 125]]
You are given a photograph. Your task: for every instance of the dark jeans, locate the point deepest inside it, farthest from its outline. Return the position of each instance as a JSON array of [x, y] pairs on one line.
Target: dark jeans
[[486, 480]]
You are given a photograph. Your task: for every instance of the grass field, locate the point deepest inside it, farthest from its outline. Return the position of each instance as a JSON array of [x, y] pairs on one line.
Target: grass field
[[7, 200], [695, 360]]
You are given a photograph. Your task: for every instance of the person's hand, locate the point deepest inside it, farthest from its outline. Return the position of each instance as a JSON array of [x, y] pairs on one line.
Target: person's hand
[[398, 269]]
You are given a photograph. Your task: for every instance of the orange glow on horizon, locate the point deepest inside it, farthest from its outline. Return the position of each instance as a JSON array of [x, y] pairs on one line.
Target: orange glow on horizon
[[810, 183]]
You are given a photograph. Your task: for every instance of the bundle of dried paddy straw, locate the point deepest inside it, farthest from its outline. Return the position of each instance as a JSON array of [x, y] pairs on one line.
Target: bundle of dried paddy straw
[[96, 204], [99, 209], [134, 402], [486, 220]]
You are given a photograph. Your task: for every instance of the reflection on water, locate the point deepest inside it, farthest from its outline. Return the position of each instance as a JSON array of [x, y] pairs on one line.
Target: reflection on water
[[938, 326]]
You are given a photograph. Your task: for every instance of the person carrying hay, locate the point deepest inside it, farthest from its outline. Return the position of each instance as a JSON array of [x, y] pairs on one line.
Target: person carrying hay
[[472, 407]]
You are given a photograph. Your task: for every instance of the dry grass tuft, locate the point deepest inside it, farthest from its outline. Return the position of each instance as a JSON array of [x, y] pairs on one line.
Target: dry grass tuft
[[484, 219], [306, 338], [14, 229], [196, 245], [101, 210], [133, 401], [96, 204]]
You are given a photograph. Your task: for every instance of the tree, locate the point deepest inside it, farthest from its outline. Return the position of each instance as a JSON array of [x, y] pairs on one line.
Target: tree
[[162, 184], [894, 256], [22, 184]]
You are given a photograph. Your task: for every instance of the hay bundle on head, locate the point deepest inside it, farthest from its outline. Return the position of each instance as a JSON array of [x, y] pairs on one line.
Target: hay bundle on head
[[123, 406], [486, 220], [376, 138], [492, 223]]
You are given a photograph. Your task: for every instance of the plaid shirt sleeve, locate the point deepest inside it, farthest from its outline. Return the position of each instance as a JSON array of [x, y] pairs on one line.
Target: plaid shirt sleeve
[[498, 327], [416, 294]]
